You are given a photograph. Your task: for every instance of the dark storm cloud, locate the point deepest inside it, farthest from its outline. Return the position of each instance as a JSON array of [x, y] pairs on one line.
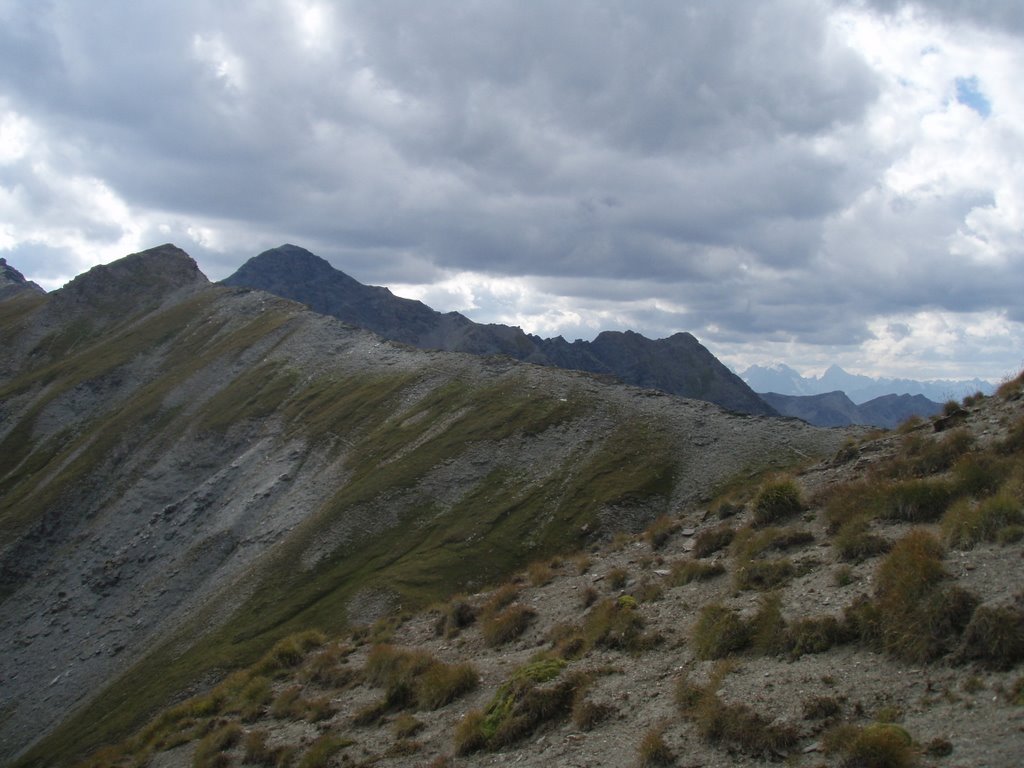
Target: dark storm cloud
[[714, 160], [999, 15]]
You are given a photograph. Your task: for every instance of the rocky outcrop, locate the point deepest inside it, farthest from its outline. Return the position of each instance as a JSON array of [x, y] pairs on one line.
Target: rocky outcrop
[[13, 283]]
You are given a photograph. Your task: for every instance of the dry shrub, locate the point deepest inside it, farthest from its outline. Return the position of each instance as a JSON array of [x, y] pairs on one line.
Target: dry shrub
[[738, 727], [617, 578], [540, 573], [322, 750], [915, 501], [413, 679], [521, 704], [914, 615], [879, 745], [653, 750], [814, 635], [713, 539], [503, 627], [504, 595], [1012, 388], [616, 624], [821, 708], [763, 575], [777, 500], [854, 541], [966, 524], [455, 616], [685, 571], [586, 714], [719, 632], [289, 652], [210, 748], [995, 636], [658, 533]]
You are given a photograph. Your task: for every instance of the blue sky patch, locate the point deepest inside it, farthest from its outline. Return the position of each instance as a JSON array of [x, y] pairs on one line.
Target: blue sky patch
[[969, 94]]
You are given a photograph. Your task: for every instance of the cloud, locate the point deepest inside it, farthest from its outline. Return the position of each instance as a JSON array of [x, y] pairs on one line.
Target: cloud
[[776, 177]]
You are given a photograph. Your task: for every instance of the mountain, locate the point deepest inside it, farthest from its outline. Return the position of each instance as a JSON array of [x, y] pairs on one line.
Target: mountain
[[821, 618], [782, 379], [835, 409], [191, 472], [12, 282], [678, 365]]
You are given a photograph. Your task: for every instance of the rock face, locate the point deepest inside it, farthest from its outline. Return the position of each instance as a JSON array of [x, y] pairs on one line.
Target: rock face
[[679, 365], [835, 409], [12, 282], [190, 471]]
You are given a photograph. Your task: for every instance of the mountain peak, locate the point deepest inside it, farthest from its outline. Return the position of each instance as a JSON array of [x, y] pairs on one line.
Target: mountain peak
[[12, 282], [143, 277]]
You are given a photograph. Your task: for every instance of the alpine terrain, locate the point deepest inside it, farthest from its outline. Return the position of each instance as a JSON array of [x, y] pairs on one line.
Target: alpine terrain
[[192, 473]]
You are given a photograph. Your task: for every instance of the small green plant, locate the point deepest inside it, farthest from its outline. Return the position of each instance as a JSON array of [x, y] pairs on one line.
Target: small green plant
[[719, 632], [777, 500], [653, 750]]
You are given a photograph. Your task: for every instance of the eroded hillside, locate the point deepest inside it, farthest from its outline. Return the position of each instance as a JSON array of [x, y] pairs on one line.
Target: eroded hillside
[[867, 612], [189, 473]]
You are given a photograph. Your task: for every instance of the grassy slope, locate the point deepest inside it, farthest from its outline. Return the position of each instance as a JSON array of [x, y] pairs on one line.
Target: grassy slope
[[498, 525]]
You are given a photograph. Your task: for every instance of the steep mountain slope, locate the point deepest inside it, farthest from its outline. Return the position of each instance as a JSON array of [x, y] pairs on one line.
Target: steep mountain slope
[[189, 472], [842, 617], [835, 409], [679, 365]]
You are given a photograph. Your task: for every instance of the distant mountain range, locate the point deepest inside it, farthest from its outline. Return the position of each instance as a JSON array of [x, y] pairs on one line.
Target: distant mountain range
[[783, 380], [679, 365], [835, 409]]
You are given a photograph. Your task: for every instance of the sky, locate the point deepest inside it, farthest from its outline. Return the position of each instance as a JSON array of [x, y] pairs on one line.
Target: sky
[[804, 181]]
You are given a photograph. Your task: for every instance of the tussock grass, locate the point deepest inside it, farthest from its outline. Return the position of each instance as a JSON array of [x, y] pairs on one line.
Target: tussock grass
[[323, 749], [457, 614], [417, 678], [533, 695], [686, 571], [506, 625], [289, 652], [210, 749], [617, 578], [994, 637], [709, 541], [879, 745], [719, 632], [854, 542], [776, 500], [763, 575], [660, 531], [653, 751], [539, 573], [617, 624], [968, 523], [914, 615]]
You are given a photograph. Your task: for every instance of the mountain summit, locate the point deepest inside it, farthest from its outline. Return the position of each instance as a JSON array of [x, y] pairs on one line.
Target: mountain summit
[[679, 365], [12, 282]]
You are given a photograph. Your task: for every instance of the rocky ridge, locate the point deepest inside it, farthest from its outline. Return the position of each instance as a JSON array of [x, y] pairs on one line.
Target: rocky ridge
[[678, 365]]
